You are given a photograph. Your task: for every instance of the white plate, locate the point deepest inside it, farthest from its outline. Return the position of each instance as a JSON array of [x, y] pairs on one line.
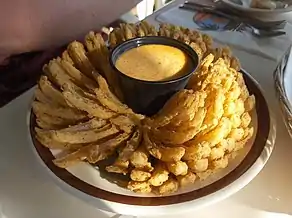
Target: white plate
[[256, 11], [85, 182], [283, 78]]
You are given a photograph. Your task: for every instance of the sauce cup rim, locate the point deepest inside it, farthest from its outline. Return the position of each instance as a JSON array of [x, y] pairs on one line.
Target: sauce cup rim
[[148, 40]]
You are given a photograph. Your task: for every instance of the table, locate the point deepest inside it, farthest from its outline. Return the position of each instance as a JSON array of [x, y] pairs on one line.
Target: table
[[26, 191]]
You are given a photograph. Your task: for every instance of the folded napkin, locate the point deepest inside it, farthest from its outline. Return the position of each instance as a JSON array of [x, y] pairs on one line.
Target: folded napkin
[[227, 32]]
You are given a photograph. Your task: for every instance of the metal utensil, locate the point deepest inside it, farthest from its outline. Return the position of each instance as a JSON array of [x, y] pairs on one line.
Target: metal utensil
[[206, 9], [260, 33], [256, 32], [266, 34]]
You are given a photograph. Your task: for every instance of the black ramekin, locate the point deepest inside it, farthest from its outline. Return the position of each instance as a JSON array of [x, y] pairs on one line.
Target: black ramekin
[[147, 97]]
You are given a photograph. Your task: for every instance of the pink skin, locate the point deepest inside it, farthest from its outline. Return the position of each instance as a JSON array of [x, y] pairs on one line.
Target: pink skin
[[28, 25]]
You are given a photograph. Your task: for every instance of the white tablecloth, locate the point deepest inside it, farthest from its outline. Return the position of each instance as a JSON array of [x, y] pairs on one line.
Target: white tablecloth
[[272, 48]]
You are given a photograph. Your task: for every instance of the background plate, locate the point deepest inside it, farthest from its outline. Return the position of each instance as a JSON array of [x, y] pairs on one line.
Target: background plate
[[256, 11]]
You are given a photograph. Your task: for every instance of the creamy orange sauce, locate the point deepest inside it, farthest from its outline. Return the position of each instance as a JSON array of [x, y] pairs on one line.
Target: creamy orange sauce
[[153, 62]]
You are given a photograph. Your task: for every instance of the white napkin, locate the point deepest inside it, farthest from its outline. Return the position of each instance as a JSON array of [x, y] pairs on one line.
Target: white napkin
[[271, 48]]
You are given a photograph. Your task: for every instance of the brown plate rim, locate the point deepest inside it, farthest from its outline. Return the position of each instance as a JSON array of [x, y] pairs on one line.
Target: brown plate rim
[[263, 116]]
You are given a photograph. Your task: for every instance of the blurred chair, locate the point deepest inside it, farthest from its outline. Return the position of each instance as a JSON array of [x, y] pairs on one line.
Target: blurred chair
[[146, 7]]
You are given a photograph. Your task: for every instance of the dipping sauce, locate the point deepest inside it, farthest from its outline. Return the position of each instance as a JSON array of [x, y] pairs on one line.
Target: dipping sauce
[[154, 62]]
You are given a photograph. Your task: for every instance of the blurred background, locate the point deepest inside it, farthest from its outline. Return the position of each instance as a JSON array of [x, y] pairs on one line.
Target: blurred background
[[147, 7]]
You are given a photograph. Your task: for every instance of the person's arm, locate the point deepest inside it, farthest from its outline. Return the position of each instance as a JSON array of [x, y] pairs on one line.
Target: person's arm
[[27, 25]]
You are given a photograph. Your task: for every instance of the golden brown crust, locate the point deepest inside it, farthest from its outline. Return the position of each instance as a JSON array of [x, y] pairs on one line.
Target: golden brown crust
[[66, 57], [57, 111], [77, 53], [92, 153], [80, 79], [76, 137], [78, 99], [51, 92]]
